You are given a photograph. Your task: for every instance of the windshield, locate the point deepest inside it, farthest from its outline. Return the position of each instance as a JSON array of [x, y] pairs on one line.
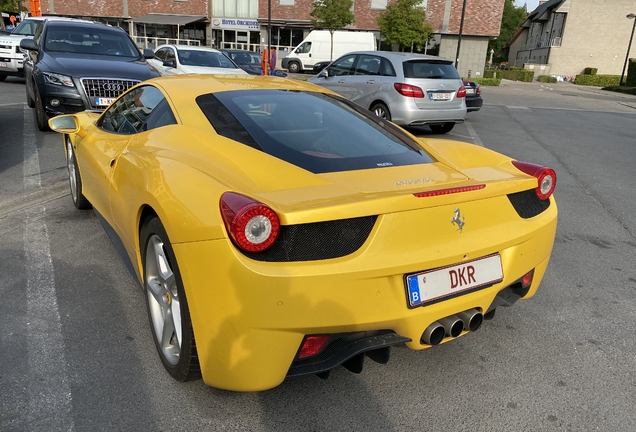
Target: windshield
[[94, 40], [204, 58], [315, 131], [26, 27]]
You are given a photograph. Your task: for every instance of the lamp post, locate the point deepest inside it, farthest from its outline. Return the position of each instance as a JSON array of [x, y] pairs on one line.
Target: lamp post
[[629, 46], [459, 38]]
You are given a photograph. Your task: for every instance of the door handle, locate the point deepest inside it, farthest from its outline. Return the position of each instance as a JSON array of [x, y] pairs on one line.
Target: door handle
[[371, 82], [341, 82]]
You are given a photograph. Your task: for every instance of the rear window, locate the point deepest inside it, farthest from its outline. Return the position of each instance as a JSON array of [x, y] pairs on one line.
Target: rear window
[[431, 69], [315, 131]]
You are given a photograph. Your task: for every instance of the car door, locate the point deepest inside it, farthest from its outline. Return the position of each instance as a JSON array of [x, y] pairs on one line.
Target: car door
[[98, 152], [339, 76], [168, 64], [366, 79]]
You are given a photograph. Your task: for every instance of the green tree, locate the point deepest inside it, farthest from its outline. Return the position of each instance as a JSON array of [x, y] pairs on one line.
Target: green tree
[[10, 6], [511, 20], [331, 15], [404, 23]]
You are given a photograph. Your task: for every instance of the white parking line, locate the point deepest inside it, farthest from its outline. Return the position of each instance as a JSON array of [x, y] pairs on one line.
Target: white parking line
[[473, 133], [50, 400]]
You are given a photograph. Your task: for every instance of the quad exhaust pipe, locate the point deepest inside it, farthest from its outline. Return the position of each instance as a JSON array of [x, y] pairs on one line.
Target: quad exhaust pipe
[[452, 326]]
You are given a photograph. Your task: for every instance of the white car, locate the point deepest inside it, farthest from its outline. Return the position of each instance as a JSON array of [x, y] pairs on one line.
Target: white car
[[184, 59], [11, 56]]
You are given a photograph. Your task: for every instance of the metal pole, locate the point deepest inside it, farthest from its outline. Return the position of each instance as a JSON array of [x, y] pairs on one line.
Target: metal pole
[[629, 47], [461, 29], [269, 34]]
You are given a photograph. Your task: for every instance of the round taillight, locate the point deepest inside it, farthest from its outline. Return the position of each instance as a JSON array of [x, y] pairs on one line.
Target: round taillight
[[461, 92], [252, 225], [546, 178]]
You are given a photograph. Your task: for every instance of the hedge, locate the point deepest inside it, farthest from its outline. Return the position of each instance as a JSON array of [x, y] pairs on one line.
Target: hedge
[[487, 81], [590, 71], [513, 74], [598, 80], [630, 80], [546, 79]]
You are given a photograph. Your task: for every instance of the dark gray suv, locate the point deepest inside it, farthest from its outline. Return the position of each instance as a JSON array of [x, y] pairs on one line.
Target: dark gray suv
[[73, 66]]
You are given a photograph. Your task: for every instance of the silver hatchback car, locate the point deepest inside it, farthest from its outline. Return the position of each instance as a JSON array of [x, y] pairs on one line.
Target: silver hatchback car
[[405, 88]]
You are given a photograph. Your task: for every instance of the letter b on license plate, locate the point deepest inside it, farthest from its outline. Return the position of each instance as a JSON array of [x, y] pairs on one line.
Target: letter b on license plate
[[435, 285]]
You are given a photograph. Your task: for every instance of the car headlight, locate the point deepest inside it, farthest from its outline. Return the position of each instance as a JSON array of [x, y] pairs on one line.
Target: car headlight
[[57, 79]]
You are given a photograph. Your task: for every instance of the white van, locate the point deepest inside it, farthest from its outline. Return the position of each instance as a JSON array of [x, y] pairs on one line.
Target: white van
[[316, 47]]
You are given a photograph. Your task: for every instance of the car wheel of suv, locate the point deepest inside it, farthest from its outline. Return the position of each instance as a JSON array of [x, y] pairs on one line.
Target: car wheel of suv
[[40, 114], [293, 67], [442, 129], [381, 111], [30, 101], [167, 306], [74, 179]]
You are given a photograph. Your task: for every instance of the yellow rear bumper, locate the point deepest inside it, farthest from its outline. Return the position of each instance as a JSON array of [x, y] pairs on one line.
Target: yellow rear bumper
[[250, 317]]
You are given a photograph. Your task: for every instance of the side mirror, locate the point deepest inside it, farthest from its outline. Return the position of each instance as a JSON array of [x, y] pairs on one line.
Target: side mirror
[[148, 53], [170, 63], [323, 73], [65, 124], [29, 44]]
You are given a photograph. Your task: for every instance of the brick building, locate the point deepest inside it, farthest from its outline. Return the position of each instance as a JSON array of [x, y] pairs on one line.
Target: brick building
[[243, 23]]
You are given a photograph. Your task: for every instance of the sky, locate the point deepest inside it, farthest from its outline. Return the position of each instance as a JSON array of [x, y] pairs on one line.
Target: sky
[[532, 4]]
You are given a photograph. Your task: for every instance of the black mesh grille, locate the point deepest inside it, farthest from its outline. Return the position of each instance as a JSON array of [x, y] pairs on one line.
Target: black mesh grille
[[105, 87], [318, 240], [527, 203]]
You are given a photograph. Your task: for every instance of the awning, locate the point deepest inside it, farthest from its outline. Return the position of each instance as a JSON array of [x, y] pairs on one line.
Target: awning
[[180, 20]]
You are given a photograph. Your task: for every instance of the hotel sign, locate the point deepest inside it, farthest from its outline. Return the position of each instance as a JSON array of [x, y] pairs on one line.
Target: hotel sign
[[235, 24]]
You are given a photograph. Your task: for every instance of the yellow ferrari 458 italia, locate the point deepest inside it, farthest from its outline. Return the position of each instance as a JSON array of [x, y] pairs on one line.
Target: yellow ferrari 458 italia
[[279, 230]]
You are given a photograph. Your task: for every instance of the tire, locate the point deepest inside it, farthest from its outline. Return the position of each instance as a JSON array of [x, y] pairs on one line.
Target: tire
[[166, 304], [30, 101], [3, 77], [380, 110], [293, 67], [41, 118], [442, 129], [74, 178]]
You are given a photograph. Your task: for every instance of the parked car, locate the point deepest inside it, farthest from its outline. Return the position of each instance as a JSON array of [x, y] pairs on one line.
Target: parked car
[[474, 101], [77, 66], [319, 66], [279, 229], [405, 88], [250, 62], [11, 56], [184, 59]]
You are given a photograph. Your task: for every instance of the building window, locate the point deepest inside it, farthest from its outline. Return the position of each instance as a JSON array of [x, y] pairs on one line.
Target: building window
[[286, 2], [235, 8], [378, 4]]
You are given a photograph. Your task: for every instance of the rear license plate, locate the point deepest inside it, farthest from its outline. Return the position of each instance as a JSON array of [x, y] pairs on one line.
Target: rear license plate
[[104, 101], [440, 96], [470, 91], [435, 285], [4, 65]]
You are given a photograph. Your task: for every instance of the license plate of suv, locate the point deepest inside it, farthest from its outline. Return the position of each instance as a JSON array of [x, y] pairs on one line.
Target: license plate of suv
[[435, 285], [103, 101]]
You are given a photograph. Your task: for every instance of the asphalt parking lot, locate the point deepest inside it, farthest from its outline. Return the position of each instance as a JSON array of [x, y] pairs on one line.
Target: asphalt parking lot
[[76, 350]]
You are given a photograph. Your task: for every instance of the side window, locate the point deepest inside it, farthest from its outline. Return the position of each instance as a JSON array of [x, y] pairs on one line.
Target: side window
[[170, 55], [161, 54], [135, 112], [37, 34], [304, 48], [387, 68], [342, 66], [368, 65]]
